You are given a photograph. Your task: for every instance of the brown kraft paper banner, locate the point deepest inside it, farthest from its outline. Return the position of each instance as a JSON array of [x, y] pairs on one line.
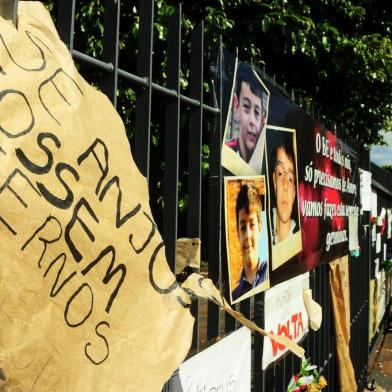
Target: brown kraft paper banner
[[87, 300], [339, 280]]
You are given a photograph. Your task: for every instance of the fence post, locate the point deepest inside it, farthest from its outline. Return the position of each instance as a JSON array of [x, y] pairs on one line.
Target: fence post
[[143, 102], [215, 208], [172, 139], [195, 153], [110, 48], [9, 10], [65, 21]]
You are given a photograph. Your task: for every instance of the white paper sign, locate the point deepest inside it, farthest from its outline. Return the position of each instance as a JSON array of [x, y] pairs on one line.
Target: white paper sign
[[365, 181], [381, 297], [378, 243], [377, 268], [381, 217], [374, 214], [353, 243], [225, 366], [374, 204], [285, 314]]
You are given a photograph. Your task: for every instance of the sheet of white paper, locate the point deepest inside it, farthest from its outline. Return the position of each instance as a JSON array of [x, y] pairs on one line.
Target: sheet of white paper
[[365, 180], [381, 297], [378, 243], [374, 204], [353, 243], [225, 366], [285, 314], [377, 268]]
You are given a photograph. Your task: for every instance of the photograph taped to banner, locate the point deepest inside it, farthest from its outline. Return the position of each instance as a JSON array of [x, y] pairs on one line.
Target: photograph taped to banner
[[244, 136], [246, 236], [285, 224]]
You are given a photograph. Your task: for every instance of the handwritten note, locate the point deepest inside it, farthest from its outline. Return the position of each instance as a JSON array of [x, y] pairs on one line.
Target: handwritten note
[[285, 316]]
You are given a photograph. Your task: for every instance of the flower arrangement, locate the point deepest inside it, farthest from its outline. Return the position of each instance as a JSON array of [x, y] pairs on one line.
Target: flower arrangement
[[386, 265], [308, 379]]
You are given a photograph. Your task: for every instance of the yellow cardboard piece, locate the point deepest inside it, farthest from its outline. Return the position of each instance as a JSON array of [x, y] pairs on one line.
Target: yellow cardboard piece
[[188, 253], [87, 300], [340, 289]]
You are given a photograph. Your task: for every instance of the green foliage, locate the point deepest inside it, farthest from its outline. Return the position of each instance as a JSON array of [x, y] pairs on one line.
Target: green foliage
[[336, 53], [386, 265], [387, 168]]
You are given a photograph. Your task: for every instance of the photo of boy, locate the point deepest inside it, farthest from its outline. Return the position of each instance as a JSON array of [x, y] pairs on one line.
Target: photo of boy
[[283, 188], [284, 180], [245, 130], [247, 246]]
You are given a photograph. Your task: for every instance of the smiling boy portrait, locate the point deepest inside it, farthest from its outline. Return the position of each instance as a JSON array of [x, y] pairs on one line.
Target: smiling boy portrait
[[245, 131], [246, 236]]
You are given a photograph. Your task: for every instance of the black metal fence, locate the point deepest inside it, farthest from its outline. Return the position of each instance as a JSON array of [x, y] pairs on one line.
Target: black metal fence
[[382, 185], [186, 123]]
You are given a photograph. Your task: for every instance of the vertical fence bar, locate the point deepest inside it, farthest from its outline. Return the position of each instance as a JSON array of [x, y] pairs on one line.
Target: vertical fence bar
[[110, 48], [365, 252], [321, 332], [325, 350], [65, 21], [9, 10], [317, 358], [352, 319], [288, 368], [258, 375], [195, 145], [172, 139], [312, 337], [229, 323], [279, 376], [328, 328], [143, 102], [215, 208], [245, 307]]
